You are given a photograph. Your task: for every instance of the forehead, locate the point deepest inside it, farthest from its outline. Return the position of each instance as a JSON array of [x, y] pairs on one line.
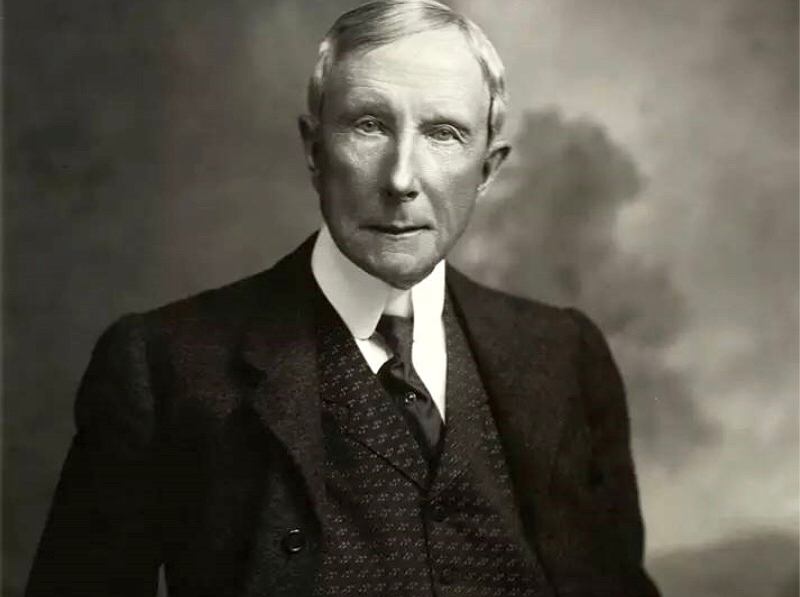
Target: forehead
[[431, 66]]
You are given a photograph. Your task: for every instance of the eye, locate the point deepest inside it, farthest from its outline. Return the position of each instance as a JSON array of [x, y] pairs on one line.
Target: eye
[[368, 125], [445, 134]]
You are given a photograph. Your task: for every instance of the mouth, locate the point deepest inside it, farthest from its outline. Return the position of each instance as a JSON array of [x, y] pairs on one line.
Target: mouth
[[397, 230]]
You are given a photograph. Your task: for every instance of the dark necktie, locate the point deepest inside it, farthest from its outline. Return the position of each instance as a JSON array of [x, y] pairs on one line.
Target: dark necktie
[[404, 385]]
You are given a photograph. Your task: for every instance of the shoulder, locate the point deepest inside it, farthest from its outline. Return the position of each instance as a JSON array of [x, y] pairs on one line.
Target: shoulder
[[220, 306], [220, 314], [524, 326], [496, 307]]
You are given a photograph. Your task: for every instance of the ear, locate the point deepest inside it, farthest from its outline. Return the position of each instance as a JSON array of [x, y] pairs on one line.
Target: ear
[[495, 156], [309, 133]]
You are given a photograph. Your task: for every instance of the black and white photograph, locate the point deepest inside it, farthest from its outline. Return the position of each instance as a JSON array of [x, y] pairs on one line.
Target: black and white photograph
[[401, 298]]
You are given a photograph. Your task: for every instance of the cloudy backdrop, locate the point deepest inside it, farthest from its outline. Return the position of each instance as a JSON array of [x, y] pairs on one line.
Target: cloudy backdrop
[[151, 152]]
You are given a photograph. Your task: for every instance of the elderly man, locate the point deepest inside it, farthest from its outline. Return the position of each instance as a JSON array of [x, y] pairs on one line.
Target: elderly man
[[361, 419]]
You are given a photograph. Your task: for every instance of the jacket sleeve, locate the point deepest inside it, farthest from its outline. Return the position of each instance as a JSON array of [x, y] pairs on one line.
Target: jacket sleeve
[[101, 534], [612, 470]]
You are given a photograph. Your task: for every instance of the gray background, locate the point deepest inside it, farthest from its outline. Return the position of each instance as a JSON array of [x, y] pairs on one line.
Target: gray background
[[151, 152]]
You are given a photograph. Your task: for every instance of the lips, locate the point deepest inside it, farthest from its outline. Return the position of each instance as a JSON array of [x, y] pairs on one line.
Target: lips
[[398, 229]]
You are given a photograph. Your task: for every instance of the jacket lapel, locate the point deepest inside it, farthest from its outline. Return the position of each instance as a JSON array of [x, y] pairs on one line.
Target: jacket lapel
[[525, 376], [280, 345]]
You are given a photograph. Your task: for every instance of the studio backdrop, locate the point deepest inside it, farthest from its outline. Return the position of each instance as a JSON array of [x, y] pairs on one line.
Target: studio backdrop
[[151, 151]]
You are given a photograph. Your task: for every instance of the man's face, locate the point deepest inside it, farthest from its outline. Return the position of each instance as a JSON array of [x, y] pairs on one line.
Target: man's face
[[400, 153]]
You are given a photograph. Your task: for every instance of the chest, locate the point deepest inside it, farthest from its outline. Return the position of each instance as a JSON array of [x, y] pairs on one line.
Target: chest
[[389, 525]]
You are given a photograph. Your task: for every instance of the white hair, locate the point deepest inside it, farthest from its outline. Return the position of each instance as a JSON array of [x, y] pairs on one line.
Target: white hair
[[381, 22]]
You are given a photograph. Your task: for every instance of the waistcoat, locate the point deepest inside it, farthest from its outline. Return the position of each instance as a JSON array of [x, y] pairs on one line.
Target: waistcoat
[[389, 529]]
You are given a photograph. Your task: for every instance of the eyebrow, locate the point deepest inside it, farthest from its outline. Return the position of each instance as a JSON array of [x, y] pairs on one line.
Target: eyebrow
[[366, 103]]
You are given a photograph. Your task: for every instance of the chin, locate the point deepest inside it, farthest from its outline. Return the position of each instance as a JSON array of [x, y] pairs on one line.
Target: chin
[[401, 275], [399, 268]]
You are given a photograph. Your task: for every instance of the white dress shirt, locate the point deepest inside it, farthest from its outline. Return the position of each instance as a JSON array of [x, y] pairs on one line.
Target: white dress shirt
[[360, 299]]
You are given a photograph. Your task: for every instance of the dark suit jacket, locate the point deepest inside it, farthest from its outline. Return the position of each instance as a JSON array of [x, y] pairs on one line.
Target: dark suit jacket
[[199, 446]]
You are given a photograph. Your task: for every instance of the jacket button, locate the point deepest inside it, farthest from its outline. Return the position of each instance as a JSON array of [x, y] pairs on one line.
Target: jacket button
[[438, 513], [294, 541], [409, 398]]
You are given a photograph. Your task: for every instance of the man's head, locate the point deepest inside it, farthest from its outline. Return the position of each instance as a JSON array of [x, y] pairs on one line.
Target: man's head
[[405, 108]]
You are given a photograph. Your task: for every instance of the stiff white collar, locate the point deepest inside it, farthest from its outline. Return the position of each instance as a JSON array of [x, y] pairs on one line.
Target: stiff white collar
[[361, 299]]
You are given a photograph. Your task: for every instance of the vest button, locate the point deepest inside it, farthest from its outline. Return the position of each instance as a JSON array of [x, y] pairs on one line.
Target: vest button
[[438, 513], [294, 541], [409, 398]]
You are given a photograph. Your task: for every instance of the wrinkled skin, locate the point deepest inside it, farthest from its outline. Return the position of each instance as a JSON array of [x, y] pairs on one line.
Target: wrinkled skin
[[400, 152]]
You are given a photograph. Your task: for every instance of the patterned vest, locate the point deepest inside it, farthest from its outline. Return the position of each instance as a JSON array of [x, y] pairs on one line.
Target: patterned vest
[[387, 530]]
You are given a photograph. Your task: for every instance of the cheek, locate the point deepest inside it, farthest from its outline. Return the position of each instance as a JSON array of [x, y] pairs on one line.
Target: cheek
[[453, 185], [452, 168], [351, 165]]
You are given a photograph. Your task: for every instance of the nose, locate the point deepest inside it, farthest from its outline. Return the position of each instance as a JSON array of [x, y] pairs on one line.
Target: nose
[[401, 180]]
